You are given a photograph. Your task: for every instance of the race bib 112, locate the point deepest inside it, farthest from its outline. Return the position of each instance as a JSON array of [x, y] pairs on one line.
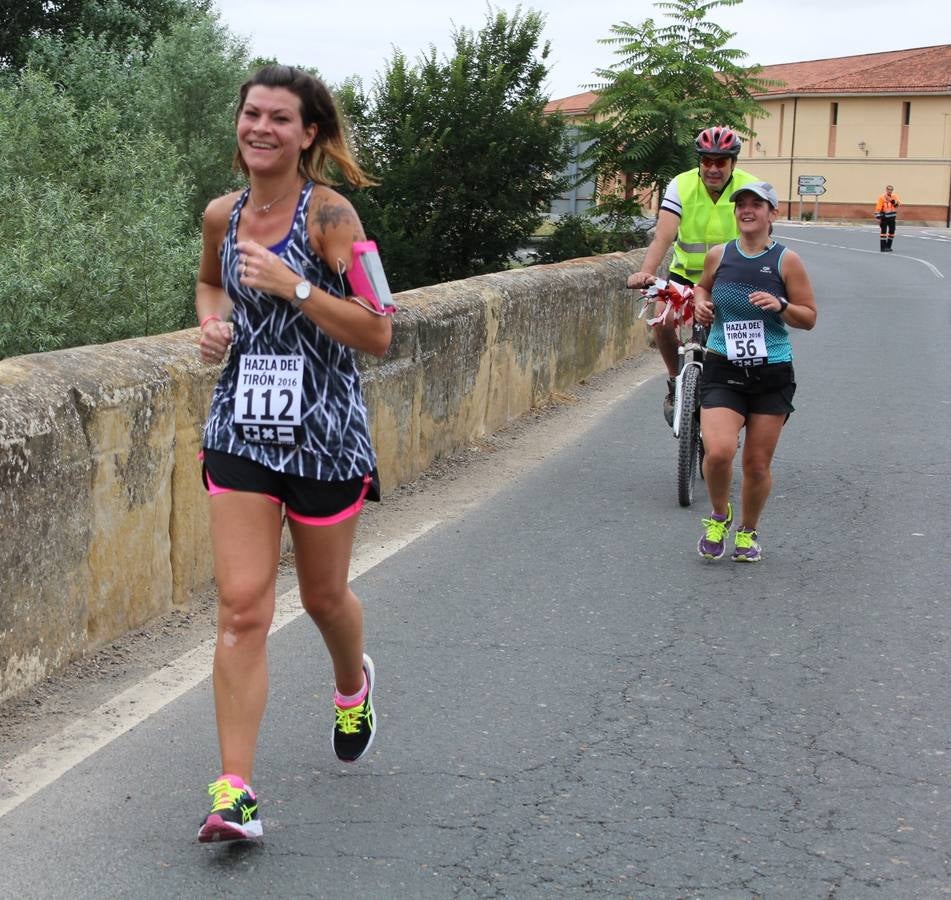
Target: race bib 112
[[267, 399]]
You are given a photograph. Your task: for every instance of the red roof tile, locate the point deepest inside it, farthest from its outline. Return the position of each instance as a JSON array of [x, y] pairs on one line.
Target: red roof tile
[[576, 103], [922, 70]]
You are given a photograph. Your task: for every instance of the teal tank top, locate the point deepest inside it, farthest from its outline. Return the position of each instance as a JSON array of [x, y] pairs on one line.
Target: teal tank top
[[738, 276]]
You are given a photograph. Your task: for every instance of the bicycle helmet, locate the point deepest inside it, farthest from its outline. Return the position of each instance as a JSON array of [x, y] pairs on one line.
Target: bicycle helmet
[[718, 141]]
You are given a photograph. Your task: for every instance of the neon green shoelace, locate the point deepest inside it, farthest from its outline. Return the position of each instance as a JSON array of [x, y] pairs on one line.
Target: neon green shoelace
[[744, 540], [716, 530], [348, 720], [225, 794]]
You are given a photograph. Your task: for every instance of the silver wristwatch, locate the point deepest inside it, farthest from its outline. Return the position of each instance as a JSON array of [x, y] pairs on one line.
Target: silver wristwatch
[[301, 293]]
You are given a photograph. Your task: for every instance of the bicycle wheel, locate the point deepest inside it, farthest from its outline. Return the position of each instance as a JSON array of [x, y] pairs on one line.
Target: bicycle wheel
[[688, 440]]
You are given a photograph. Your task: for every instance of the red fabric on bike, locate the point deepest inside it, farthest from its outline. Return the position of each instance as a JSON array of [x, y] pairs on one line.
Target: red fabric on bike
[[680, 303]]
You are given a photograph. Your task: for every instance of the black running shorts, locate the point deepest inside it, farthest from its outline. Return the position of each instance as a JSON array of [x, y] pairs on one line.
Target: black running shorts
[[306, 500], [756, 390]]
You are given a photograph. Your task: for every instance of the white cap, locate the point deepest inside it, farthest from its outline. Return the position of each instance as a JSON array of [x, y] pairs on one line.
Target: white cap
[[763, 189]]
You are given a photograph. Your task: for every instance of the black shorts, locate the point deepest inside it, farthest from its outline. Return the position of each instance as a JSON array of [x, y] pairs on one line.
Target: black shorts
[[764, 390], [306, 500]]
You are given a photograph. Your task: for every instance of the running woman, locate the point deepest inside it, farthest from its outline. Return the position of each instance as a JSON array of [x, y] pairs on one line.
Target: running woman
[[287, 432], [751, 289]]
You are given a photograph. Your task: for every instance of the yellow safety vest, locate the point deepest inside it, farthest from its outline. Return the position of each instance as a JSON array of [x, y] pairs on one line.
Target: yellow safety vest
[[703, 223]]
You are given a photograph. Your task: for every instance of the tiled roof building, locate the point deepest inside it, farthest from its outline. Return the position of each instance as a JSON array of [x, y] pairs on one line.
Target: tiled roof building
[[859, 122], [926, 70]]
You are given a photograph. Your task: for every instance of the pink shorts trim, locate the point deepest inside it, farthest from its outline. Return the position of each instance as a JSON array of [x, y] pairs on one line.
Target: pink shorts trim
[[351, 510], [214, 489]]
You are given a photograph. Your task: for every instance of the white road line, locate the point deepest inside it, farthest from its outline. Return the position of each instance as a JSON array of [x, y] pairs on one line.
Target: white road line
[[934, 269], [52, 758]]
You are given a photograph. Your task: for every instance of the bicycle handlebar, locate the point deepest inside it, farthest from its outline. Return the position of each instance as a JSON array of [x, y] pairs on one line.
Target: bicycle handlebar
[[676, 297]]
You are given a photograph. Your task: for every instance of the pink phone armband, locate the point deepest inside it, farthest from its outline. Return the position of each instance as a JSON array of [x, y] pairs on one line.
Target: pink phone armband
[[368, 280]]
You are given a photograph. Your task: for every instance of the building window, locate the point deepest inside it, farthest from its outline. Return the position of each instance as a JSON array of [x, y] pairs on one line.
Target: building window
[[905, 128], [833, 122]]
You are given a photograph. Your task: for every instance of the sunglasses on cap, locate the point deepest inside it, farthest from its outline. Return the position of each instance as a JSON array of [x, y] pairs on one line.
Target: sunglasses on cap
[[718, 162]]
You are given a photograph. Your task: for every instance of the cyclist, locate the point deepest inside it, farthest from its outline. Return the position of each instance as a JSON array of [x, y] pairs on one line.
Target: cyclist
[[695, 215], [751, 289]]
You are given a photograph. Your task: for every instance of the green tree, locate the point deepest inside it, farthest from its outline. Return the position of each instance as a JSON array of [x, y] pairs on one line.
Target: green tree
[[97, 241], [671, 81], [113, 144], [190, 91], [466, 159], [184, 87], [115, 20]]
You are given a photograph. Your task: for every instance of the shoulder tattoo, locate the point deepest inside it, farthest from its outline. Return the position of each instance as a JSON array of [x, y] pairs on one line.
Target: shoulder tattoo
[[334, 215]]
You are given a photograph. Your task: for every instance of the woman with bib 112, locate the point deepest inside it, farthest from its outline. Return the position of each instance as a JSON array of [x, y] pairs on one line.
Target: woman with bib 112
[[751, 290], [287, 433]]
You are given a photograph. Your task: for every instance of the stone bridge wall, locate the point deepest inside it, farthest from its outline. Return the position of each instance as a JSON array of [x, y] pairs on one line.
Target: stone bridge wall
[[103, 520]]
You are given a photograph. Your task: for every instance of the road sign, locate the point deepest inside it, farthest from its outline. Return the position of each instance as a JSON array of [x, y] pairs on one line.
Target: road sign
[[818, 180], [813, 190]]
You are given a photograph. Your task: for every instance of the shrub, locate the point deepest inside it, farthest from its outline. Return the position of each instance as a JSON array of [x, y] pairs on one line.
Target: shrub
[[577, 236], [98, 243]]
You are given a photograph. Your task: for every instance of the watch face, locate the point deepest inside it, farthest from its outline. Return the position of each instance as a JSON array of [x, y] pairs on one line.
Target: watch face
[[302, 291]]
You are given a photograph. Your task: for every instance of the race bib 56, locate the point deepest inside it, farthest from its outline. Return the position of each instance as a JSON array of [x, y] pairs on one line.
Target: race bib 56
[[745, 342]]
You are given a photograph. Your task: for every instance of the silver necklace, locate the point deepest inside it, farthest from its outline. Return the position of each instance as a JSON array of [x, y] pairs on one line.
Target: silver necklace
[[265, 208]]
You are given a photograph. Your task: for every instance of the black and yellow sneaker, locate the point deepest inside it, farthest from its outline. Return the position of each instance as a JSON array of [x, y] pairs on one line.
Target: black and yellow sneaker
[[355, 726], [234, 812]]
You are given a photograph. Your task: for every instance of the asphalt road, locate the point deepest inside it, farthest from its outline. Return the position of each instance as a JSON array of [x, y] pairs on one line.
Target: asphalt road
[[572, 703]]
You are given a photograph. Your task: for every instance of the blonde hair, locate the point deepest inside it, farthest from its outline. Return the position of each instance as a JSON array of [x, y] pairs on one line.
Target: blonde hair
[[318, 108]]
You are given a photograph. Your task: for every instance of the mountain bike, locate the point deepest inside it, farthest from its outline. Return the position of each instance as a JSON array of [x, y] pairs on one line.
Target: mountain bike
[[686, 427]]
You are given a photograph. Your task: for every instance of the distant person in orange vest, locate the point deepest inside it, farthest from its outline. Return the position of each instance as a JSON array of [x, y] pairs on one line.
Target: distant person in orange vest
[[886, 213]]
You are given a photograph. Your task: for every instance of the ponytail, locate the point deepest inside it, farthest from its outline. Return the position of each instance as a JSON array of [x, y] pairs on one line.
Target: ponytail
[[315, 162]]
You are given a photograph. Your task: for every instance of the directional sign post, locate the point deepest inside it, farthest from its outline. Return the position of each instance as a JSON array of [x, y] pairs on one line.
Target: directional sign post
[[811, 186]]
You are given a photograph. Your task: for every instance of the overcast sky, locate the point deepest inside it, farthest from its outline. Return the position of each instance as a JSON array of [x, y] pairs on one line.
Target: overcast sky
[[356, 39]]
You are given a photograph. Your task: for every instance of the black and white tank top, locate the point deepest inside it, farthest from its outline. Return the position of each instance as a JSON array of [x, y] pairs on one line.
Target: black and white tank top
[[289, 396]]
